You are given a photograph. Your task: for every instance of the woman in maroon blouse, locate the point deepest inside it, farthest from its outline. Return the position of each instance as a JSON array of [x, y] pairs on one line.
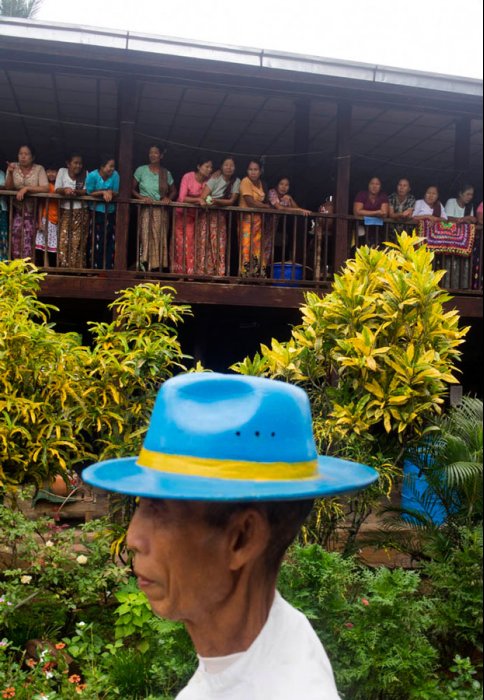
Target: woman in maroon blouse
[[372, 202]]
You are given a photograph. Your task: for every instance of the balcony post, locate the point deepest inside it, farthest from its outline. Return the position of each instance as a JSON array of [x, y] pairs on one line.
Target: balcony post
[[127, 117], [343, 173]]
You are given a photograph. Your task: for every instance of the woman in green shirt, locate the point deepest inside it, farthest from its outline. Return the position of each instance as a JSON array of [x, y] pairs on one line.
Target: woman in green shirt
[[154, 186]]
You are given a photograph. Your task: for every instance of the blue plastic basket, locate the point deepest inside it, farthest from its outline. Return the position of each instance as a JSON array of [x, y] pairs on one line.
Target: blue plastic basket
[[414, 487], [287, 271]]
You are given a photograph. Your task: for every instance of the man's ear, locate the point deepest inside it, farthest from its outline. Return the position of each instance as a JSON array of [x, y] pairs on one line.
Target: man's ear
[[248, 535]]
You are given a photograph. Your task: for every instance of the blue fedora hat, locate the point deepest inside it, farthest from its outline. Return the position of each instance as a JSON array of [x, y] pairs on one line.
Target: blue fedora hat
[[217, 437]]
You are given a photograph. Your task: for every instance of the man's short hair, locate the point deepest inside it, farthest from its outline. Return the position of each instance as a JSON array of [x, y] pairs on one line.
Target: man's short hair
[[285, 519]]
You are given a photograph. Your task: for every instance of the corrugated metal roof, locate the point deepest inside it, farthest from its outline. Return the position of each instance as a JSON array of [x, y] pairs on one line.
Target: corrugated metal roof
[[118, 40]]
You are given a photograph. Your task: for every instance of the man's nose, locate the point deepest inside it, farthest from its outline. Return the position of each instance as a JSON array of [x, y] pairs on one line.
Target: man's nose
[[136, 539]]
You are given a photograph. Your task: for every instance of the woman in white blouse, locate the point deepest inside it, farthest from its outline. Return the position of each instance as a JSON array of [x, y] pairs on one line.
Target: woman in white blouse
[[430, 207], [460, 208]]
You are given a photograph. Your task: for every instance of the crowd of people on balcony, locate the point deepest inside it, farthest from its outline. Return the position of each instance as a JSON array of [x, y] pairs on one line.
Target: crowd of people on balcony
[[77, 229], [401, 206]]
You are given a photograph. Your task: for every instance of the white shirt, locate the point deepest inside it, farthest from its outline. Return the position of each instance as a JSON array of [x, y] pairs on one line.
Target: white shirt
[[63, 180], [286, 662], [453, 209], [3, 200], [422, 208]]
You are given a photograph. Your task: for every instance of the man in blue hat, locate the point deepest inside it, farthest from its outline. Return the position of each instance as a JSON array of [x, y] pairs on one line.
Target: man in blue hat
[[226, 477]]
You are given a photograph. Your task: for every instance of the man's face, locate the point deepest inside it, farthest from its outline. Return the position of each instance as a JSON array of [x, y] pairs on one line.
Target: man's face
[[181, 562]]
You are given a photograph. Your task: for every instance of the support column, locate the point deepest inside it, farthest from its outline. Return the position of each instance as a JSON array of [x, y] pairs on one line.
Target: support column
[[462, 147], [301, 145], [343, 173], [127, 115]]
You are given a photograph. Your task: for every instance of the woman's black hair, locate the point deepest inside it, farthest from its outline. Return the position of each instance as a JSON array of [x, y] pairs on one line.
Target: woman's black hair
[[159, 146], [30, 147], [376, 177], [281, 178], [105, 158], [72, 155], [226, 158], [404, 177], [203, 158], [461, 189]]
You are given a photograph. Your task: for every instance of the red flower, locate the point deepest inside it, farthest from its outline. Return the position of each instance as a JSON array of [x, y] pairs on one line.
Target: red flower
[[349, 625], [74, 678], [8, 692], [365, 601], [60, 645]]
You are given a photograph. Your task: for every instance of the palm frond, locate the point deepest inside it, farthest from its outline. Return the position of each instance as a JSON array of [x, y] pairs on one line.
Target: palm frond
[[27, 9], [450, 460], [459, 474]]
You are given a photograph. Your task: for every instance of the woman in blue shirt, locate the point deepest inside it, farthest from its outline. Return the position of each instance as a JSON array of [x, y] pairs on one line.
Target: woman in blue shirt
[[103, 183]]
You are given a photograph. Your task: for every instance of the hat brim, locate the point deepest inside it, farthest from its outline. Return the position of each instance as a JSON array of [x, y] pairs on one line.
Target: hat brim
[[335, 476]]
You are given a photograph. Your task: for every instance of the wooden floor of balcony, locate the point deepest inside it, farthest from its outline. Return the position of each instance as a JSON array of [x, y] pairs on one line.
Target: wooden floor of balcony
[[228, 292]]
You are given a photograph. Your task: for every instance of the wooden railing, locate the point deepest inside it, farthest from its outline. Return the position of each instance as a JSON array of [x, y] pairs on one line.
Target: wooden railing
[[208, 244]]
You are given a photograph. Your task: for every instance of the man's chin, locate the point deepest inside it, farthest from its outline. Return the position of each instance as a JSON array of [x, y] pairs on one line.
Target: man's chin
[[163, 610]]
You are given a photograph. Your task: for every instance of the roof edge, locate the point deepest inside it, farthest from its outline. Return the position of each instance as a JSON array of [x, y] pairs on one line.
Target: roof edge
[[39, 30]]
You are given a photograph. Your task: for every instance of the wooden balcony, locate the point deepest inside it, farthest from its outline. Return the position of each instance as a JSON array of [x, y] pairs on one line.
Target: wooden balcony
[[296, 253]]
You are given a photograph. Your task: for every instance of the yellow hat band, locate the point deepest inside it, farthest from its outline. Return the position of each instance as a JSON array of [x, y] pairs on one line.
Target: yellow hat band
[[227, 469]]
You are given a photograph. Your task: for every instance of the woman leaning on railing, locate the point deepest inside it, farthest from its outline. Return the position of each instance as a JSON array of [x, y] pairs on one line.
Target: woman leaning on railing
[[74, 216], [26, 177], [221, 190], [102, 183]]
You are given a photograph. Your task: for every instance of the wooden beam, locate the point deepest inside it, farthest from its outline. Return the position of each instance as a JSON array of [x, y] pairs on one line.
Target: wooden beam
[[468, 306], [106, 285], [343, 174], [127, 97]]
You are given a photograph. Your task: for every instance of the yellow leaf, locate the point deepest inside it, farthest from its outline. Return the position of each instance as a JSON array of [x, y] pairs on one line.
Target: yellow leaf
[[387, 423], [370, 362], [397, 400]]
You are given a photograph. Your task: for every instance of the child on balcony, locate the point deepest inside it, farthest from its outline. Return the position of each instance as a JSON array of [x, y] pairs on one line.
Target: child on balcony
[[48, 222]]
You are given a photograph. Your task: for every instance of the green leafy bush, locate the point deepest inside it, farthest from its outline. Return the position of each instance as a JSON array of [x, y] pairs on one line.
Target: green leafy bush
[[376, 354], [41, 374], [63, 403], [456, 586], [372, 623], [53, 576]]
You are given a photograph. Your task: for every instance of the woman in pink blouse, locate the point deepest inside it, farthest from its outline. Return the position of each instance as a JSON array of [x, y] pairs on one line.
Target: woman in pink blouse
[[191, 188], [26, 177]]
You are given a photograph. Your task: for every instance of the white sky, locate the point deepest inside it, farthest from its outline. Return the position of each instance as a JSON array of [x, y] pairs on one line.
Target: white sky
[[442, 36]]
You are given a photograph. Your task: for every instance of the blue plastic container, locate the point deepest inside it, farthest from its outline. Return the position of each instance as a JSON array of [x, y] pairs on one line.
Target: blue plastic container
[[286, 271], [413, 489]]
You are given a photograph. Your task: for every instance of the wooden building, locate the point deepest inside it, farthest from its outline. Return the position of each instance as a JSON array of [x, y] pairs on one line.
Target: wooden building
[[330, 125]]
